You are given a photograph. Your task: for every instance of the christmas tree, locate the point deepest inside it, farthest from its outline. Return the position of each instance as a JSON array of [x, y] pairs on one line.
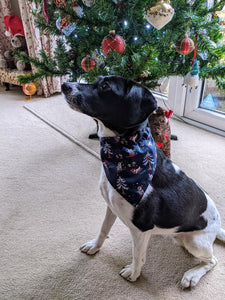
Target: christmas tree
[[141, 51]]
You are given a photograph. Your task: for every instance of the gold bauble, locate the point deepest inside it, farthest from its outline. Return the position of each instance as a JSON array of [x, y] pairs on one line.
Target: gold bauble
[[29, 89], [159, 14]]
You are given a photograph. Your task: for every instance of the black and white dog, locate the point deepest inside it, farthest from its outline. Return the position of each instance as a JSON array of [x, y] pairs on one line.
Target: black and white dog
[[147, 191]]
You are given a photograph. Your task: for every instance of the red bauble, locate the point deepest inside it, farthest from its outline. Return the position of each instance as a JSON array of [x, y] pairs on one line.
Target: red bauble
[[88, 63], [185, 46], [113, 42]]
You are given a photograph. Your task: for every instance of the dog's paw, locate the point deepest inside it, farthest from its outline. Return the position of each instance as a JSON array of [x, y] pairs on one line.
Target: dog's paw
[[129, 273], [190, 279], [90, 247]]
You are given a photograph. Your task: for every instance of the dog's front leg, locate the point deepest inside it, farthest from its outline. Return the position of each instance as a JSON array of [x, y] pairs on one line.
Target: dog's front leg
[[92, 246], [139, 248]]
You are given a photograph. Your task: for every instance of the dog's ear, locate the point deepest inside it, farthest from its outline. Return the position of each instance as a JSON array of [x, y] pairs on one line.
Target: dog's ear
[[149, 103], [142, 95]]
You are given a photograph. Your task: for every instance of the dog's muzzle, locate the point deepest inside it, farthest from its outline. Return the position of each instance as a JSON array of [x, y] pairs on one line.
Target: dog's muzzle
[[72, 95], [66, 88]]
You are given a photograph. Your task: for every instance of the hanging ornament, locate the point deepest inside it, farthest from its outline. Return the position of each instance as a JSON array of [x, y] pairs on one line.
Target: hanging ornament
[[190, 2], [192, 77], [88, 63], [78, 9], [64, 22], [159, 14], [185, 46], [65, 26], [113, 42], [45, 11], [88, 2], [98, 58], [58, 3], [119, 4], [30, 89]]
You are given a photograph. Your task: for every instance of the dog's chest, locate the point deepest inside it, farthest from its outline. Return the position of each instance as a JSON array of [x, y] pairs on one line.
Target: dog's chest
[[118, 205], [122, 208]]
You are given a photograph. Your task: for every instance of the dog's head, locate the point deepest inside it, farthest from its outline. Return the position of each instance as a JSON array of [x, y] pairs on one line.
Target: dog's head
[[119, 103]]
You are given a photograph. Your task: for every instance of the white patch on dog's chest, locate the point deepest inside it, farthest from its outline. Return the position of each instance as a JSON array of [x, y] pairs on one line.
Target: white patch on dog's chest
[[122, 208], [119, 206]]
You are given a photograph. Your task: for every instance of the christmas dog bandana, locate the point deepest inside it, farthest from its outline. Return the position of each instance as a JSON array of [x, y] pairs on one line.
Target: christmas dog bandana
[[129, 163]]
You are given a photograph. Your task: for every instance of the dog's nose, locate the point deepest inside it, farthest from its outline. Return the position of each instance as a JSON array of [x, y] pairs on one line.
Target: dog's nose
[[66, 88]]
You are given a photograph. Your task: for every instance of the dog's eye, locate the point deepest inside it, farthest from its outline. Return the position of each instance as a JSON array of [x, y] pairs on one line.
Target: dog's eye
[[105, 87]]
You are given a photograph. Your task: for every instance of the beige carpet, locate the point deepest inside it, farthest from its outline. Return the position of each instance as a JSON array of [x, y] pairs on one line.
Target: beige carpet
[[50, 205]]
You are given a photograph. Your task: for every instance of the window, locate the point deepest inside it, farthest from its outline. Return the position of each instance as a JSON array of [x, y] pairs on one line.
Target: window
[[212, 97], [204, 106]]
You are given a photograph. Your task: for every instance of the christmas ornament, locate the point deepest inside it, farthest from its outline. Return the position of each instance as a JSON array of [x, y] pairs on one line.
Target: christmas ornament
[[185, 46], [159, 14], [64, 23], [99, 59], [78, 9], [113, 42], [192, 77], [13, 25], [190, 2], [88, 2], [58, 3], [88, 63], [195, 49], [29, 89], [64, 26], [119, 4], [45, 11]]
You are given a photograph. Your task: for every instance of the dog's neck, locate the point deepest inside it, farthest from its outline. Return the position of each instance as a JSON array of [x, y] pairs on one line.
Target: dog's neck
[[104, 131]]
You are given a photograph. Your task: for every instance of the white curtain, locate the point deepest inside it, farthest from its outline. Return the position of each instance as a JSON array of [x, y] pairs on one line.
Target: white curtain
[[37, 42], [5, 9]]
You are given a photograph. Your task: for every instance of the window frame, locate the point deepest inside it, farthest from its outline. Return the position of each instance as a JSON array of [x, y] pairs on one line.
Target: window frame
[[186, 106]]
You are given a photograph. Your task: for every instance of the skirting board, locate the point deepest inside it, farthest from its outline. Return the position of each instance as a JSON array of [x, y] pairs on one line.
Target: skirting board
[[203, 126]]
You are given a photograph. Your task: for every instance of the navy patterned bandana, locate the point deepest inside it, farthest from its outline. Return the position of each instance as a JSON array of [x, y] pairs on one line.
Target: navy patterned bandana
[[129, 163]]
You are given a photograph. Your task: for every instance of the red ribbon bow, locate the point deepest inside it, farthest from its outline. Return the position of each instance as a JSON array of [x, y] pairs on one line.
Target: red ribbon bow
[[168, 113]]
